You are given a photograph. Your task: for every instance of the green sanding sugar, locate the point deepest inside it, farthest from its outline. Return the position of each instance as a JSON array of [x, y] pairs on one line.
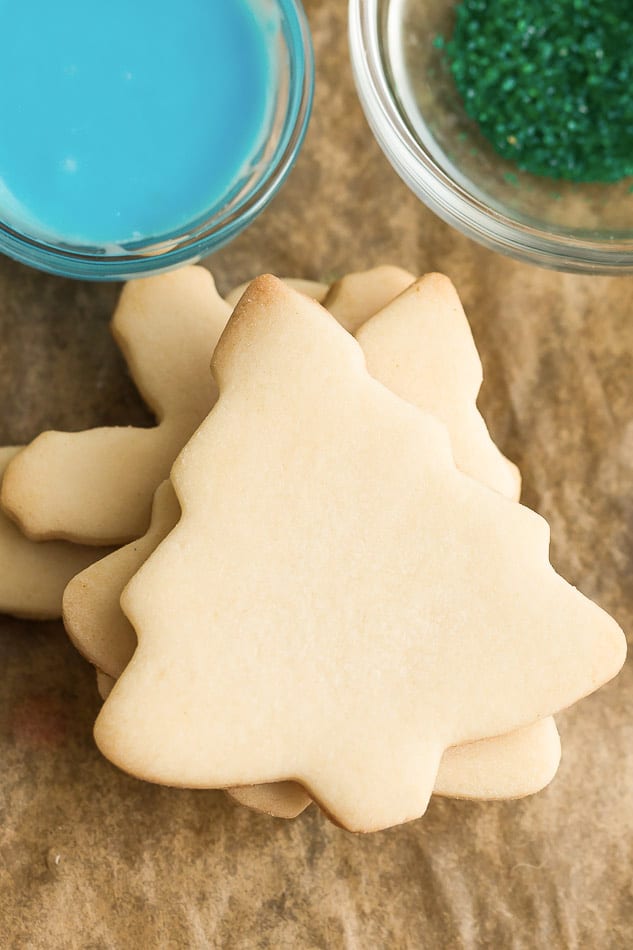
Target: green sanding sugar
[[550, 82]]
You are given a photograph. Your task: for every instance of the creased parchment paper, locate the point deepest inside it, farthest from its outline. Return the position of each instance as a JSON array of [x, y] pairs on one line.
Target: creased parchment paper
[[92, 859]]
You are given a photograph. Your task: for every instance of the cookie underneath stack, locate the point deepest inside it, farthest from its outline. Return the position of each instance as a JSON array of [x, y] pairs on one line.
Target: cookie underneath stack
[[338, 596]]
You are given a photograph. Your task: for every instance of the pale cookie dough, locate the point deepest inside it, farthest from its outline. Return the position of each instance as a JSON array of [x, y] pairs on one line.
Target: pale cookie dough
[[33, 575], [103, 635], [338, 604], [505, 767], [101, 632], [96, 487]]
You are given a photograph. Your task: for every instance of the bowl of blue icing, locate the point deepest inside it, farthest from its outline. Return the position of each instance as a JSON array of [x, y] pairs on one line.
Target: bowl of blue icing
[[138, 136]]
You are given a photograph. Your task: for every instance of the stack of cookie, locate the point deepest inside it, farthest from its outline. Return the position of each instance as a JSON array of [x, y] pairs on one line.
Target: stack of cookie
[[328, 588]]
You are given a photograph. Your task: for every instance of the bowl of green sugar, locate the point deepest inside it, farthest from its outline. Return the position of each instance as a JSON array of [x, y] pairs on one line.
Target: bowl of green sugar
[[511, 119]]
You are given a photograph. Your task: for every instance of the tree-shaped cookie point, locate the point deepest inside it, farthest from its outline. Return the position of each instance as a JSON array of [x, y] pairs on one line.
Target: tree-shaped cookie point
[[311, 288], [338, 604], [508, 766], [96, 487], [442, 373]]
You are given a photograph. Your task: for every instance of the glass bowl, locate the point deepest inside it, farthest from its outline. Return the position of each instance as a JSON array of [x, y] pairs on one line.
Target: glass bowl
[[415, 111], [247, 198]]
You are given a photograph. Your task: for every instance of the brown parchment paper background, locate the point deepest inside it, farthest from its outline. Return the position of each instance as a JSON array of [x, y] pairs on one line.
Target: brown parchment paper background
[[90, 858]]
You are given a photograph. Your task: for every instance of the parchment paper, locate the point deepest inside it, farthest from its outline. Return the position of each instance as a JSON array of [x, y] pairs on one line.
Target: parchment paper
[[90, 858]]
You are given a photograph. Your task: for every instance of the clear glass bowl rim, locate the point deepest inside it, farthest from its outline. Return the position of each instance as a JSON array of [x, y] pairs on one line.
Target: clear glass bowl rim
[[193, 245], [449, 200]]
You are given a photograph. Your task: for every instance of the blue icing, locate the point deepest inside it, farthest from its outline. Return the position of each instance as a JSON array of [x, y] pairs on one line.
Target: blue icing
[[128, 119]]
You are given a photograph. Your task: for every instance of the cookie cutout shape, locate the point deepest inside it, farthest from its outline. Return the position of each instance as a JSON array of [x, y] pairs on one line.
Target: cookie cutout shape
[[442, 373], [532, 754], [33, 576], [504, 767], [356, 297], [96, 487], [348, 604], [92, 609]]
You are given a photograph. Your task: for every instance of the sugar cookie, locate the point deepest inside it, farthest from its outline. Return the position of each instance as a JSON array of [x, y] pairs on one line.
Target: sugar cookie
[[92, 608], [34, 575], [348, 604], [96, 487]]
